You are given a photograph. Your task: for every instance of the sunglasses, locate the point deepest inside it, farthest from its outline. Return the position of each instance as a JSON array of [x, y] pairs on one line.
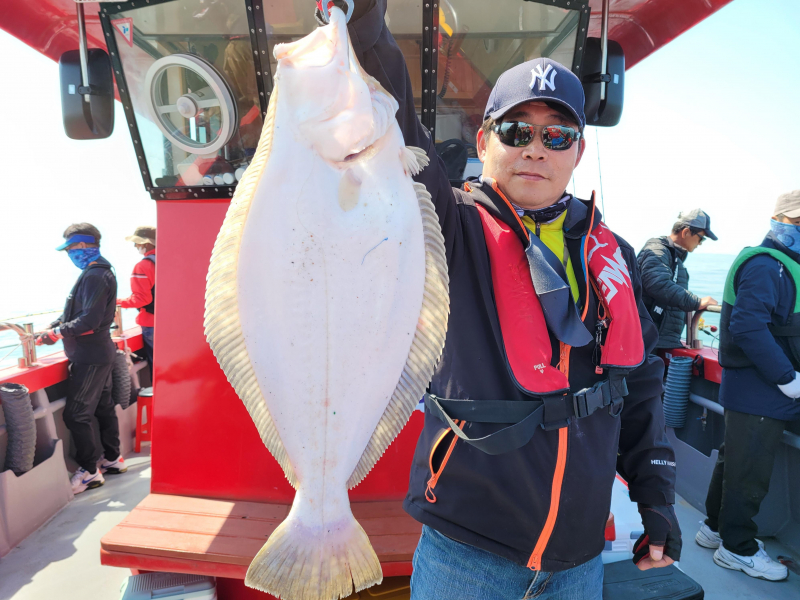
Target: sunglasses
[[519, 135]]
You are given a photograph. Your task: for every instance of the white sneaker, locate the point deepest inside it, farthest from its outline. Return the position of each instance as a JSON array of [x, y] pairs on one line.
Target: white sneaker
[[708, 538], [113, 467], [82, 480], [759, 565]]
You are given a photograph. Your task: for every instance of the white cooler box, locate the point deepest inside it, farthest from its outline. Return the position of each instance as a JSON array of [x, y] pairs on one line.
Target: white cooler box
[[169, 586]]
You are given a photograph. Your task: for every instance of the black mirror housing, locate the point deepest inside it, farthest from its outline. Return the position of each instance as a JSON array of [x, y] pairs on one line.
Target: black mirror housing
[[605, 113], [93, 120]]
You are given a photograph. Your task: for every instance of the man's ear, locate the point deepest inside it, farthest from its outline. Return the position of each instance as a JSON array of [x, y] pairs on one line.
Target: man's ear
[[581, 149], [481, 142]]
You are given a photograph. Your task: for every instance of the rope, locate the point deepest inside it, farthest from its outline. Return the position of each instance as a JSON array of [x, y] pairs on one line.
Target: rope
[[600, 172]]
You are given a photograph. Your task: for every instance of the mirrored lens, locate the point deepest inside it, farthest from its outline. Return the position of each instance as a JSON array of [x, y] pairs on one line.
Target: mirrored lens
[[558, 137], [515, 133]]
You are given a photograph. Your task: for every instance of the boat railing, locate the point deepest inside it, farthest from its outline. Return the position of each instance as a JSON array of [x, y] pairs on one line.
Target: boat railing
[[692, 321], [26, 340]]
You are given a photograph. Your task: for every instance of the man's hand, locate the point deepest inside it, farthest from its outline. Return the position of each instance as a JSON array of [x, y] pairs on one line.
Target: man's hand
[[660, 544], [706, 302], [49, 337], [791, 389]]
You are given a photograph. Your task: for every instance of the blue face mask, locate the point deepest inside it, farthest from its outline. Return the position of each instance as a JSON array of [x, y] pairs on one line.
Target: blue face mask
[[81, 257]]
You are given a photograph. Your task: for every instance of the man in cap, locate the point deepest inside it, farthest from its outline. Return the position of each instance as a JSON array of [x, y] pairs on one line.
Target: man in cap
[[665, 280], [545, 388], [143, 287], [84, 327], [760, 355]]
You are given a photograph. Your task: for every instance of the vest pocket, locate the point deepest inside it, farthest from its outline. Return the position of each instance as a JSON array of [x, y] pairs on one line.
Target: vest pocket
[[437, 470]]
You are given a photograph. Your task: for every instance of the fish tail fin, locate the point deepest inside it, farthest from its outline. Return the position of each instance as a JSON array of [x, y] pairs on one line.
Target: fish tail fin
[[315, 563]]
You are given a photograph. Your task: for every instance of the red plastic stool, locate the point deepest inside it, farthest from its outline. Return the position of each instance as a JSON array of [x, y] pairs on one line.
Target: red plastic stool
[[144, 427]]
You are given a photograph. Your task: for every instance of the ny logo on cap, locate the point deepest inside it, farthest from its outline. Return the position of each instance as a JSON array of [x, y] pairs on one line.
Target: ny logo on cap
[[538, 74]]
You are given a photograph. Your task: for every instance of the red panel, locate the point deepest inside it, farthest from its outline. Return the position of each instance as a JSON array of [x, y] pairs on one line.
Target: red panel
[[51, 369], [50, 26], [644, 26], [712, 369], [204, 442]]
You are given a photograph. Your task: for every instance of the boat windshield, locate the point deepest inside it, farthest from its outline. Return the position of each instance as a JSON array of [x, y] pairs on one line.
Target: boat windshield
[[188, 68]]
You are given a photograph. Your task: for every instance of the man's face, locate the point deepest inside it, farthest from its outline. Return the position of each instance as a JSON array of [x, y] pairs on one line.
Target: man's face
[[532, 176], [785, 219], [690, 241]]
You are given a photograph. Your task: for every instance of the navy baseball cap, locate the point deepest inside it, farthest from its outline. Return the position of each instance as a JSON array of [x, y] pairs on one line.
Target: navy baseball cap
[[540, 79]]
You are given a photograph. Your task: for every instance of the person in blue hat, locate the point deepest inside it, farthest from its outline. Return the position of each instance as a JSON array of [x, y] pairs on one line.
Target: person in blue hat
[[545, 388], [84, 327]]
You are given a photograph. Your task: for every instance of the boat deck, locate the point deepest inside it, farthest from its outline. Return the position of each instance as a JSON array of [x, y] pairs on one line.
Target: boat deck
[[62, 559]]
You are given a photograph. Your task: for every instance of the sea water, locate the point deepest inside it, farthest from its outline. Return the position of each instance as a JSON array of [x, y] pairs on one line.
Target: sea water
[[707, 274]]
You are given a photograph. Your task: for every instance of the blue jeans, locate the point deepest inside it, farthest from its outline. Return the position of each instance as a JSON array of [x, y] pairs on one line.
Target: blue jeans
[[448, 570], [147, 349]]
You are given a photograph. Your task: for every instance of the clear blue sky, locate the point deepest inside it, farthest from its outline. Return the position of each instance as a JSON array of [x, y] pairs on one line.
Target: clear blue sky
[[710, 120]]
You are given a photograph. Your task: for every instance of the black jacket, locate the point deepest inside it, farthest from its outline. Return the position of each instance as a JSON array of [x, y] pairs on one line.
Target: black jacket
[[765, 295], [500, 503], [90, 307], [665, 283]]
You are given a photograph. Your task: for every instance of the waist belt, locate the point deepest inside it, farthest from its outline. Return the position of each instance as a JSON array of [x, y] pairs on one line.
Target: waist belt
[[525, 416]]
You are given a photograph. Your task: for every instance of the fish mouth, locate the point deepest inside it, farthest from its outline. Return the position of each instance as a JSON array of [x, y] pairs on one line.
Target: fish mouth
[[363, 155]]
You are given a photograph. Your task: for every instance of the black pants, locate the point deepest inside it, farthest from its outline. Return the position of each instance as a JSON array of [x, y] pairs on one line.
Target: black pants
[[89, 397], [741, 479]]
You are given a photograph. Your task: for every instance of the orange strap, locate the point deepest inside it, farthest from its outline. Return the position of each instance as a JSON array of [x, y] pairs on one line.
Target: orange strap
[[429, 495]]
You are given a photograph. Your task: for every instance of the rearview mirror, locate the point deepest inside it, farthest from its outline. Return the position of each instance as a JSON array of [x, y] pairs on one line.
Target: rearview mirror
[[603, 113], [92, 120]]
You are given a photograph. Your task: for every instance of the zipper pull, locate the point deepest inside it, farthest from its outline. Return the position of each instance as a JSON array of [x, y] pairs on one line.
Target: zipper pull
[[538, 229]]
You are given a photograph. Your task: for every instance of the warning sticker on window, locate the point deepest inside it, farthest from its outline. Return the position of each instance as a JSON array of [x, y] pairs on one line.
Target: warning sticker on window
[[125, 29]]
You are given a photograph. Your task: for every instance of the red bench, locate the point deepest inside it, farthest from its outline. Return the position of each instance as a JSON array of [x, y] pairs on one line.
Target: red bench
[[220, 537]]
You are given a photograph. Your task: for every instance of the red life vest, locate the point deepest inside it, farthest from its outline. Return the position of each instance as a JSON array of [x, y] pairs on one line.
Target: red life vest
[[522, 320]]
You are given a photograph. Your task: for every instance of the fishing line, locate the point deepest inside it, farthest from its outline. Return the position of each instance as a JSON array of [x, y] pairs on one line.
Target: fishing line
[[49, 312], [600, 172], [9, 353]]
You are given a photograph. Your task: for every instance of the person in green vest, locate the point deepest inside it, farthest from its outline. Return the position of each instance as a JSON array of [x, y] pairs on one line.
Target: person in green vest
[[760, 356]]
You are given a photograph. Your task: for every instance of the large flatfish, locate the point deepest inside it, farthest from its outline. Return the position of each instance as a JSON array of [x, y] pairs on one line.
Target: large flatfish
[[327, 303]]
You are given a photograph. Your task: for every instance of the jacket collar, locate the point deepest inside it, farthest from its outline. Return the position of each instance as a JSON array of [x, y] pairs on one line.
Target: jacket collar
[[576, 222], [771, 242], [681, 252]]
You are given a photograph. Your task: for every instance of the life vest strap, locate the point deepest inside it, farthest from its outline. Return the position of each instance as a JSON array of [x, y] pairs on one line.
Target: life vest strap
[[549, 412]]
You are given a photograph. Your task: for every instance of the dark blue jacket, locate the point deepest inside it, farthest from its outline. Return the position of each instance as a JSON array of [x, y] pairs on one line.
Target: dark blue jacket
[[765, 294], [500, 503], [88, 316]]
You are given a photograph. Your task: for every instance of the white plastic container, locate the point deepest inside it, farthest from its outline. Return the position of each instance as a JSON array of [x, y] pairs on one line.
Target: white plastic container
[[627, 522], [169, 586]]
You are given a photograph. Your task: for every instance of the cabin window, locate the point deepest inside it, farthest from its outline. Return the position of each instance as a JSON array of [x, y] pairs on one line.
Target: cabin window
[[475, 46], [188, 70]]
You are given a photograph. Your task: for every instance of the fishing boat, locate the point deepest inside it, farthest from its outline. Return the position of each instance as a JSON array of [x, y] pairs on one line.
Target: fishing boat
[[193, 79]]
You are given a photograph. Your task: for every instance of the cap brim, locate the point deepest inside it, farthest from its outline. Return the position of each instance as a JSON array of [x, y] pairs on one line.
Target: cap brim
[[792, 214], [710, 235], [502, 111], [63, 246], [138, 240]]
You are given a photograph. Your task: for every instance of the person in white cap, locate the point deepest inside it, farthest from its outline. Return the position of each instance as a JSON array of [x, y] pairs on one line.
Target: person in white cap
[[143, 288], [665, 280], [760, 356]]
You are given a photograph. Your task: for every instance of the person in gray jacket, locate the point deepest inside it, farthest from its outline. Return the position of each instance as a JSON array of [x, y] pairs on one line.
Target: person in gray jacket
[[665, 280]]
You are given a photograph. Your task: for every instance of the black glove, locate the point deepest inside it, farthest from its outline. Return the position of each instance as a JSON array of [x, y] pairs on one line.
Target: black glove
[[660, 529], [46, 337]]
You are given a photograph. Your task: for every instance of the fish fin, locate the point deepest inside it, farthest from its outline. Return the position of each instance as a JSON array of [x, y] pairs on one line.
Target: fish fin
[[297, 564], [421, 155], [411, 165], [426, 347], [223, 328]]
